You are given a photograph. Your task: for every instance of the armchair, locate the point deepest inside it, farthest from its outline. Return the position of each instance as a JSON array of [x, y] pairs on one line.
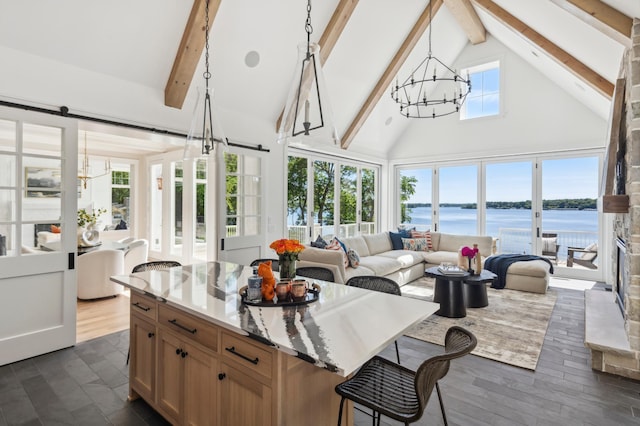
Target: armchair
[[94, 271], [550, 246], [583, 256]]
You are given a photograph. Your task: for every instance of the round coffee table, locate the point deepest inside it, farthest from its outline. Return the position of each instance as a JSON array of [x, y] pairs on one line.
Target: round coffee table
[[450, 293], [475, 289]]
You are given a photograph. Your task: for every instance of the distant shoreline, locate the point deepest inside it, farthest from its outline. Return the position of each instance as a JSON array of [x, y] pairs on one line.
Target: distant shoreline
[[563, 204]]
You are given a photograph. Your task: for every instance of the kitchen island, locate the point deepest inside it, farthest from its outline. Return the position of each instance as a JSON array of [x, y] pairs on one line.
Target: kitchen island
[[201, 356]]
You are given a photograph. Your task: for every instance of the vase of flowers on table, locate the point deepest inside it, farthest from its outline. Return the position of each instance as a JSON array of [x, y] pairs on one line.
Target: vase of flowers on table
[[470, 253], [88, 234], [287, 251]]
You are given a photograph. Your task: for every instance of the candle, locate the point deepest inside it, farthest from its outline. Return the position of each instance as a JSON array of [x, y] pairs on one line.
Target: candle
[[306, 111]]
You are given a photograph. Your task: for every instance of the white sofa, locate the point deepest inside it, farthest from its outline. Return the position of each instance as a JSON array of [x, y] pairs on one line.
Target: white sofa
[[377, 256]]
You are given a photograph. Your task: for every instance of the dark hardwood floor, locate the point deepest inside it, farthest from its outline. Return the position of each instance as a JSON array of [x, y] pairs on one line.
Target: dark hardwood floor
[[87, 384]]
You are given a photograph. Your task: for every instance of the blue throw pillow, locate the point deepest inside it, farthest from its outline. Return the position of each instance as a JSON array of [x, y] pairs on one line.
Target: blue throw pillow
[[344, 247], [405, 232], [396, 240], [319, 243]]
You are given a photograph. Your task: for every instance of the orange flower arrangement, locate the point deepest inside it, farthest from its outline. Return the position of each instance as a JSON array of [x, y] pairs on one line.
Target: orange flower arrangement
[[287, 248]]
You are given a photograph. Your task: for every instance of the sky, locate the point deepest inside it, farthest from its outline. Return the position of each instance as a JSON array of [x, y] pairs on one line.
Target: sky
[[561, 178]]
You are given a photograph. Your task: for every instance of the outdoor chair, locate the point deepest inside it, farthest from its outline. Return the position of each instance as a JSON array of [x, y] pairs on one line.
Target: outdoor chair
[[381, 284], [583, 256], [317, 272], [400, 393], [274, 263], [550, 246]]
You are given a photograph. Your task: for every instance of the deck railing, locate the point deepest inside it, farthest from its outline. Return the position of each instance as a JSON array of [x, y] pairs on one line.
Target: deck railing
[[518, 240]]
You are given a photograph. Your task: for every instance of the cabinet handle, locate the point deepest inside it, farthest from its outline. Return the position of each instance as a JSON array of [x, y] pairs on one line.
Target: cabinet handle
[[190, 330], [184, 354], [221, 376], [232, 349], [178, 351], [150, 335], [139, 306]]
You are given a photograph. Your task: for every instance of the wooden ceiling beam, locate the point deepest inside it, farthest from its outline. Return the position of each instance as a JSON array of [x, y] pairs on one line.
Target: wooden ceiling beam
[[392, 70], [330, 36], [582, 71], [601, 16], [189, 53], [468, 19]]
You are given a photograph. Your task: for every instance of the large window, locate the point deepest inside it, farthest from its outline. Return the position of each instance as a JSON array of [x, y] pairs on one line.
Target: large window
[[484, 98], [343, 194], [120, 197]]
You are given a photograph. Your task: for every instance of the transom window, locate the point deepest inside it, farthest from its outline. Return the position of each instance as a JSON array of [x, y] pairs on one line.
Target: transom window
[[484, 98]]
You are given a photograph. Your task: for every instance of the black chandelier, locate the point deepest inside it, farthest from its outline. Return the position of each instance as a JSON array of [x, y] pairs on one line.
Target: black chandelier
[[307, 114], [416, 95], [205, 130]]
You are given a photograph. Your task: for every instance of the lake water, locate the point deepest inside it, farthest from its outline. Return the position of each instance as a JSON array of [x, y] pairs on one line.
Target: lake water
[[464, 221]]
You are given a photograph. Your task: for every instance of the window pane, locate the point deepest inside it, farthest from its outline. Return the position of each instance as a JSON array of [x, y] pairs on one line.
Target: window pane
[[7, 136], [297, 187], [491, 81], [368, 202], [348, 198], [458, 213], [415, 198], [324, 200]]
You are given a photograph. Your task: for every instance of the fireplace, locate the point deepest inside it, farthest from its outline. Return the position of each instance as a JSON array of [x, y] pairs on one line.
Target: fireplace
[[621, 280]]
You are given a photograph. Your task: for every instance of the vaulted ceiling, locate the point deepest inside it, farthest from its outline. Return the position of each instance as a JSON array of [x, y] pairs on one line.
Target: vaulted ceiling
[[158, 44]]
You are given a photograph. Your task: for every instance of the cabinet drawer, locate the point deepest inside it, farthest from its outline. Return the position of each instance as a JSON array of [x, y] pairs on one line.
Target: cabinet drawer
[[189, 326], [144, 305], [250, 355]]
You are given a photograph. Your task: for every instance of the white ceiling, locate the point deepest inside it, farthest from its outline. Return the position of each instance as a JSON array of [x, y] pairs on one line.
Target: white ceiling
[[136, 41]]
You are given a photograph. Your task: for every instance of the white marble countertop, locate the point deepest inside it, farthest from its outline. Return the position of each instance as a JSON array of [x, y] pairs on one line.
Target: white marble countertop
[[340, 331]]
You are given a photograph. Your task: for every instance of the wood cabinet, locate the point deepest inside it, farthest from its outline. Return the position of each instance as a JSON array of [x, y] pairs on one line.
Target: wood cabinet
[[186, 389], [143, 357], [194, 372]]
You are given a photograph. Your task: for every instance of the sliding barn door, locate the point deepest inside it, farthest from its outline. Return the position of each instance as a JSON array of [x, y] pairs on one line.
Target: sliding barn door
[[38, 194]]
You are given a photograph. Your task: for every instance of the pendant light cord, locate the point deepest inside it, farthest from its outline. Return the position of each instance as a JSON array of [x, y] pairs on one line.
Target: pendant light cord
[[430, 18]]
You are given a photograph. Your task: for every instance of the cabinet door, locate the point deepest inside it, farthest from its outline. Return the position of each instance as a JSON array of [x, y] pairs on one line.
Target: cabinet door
[[243, 399], [142, 365], [200, 369], [170, 375]]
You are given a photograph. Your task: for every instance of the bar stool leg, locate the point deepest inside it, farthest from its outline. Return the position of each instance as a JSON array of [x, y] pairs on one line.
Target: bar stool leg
[[444, 415]]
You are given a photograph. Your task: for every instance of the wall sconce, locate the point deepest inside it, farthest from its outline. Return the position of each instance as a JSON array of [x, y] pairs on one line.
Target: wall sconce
[[159, 180]]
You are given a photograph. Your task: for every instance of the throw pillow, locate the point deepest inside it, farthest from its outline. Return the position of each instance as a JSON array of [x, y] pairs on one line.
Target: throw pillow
[[344, 247], [55, 229], [354, 258], [426, 235], [319, 243], [396, 240], [415, 244], [334, 244], [405, 232]]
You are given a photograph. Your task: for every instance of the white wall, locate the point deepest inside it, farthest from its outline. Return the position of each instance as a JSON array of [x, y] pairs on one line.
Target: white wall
[[537, 116]]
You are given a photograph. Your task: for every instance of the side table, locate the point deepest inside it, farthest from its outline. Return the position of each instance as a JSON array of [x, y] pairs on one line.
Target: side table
[[475, 289], [449, 289]]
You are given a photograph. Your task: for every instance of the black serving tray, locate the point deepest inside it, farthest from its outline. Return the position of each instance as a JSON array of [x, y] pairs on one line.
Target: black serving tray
[[312, 295]]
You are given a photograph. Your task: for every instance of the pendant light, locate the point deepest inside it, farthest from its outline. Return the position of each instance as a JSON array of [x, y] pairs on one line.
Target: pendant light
[[205, 130]]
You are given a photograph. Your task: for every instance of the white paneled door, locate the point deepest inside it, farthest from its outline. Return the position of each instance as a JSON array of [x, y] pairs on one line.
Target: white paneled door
[[38, 194]]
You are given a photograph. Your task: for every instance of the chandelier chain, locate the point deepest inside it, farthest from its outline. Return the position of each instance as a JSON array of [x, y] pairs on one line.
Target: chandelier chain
[[308, 27], [430, 21], [206, 74]]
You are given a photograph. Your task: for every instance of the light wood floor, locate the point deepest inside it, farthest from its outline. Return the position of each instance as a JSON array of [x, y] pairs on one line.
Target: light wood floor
[[97, 318]]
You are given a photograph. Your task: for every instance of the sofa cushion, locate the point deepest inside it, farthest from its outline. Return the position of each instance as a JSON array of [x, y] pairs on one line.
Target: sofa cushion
[[405, 257], [319, 243], [423, 234], [381, 265], [358, 244], [452, 242], [356, 272], [335, 245], [530, 268], [438, 257], [415, 244], [435, 240], [378, 243], [396, 240]]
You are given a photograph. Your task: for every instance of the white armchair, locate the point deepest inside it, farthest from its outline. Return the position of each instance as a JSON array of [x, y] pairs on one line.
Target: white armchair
[[94, 270], [136, 253]]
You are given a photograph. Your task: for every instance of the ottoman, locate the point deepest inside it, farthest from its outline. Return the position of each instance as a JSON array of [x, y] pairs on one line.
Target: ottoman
[[530, 275]]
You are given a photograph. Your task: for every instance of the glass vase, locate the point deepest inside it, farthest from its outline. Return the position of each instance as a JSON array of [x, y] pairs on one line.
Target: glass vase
[[287, 266]]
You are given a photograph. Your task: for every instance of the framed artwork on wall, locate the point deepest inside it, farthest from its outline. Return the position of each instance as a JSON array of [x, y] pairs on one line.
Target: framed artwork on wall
[[43, 182]]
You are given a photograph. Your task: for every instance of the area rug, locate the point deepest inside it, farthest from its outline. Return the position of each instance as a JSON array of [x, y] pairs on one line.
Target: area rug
[[510, 330]]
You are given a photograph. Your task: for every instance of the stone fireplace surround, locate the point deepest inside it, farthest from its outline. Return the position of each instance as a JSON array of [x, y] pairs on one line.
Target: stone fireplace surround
[[614, 338]]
